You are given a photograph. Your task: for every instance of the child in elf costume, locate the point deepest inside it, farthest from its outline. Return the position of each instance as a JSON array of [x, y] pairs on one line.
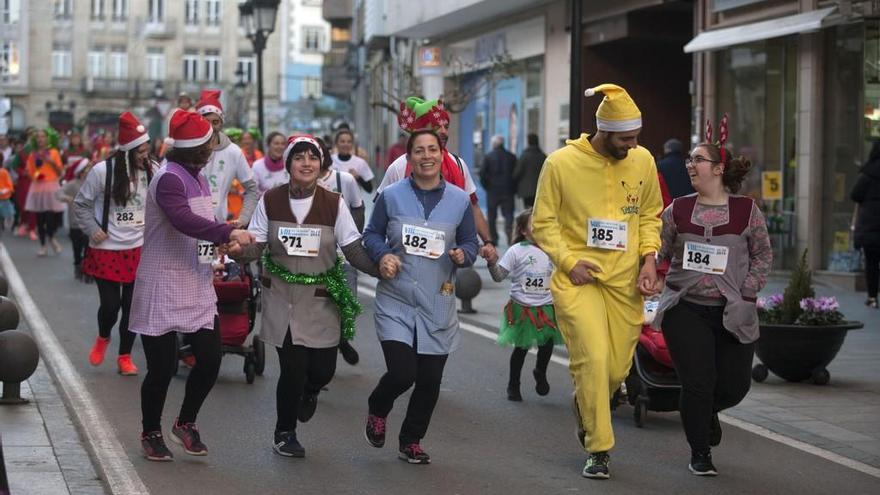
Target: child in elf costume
[[529, 318]]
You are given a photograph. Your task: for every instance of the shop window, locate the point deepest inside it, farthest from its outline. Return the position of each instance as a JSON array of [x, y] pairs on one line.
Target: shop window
[[757, 88], [851, 120]]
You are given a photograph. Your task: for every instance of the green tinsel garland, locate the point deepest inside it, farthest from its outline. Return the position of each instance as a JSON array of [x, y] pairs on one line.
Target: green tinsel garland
[[333, 279]]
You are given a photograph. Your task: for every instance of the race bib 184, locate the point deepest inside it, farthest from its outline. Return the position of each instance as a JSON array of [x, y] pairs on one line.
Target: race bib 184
[[705, 258], [300, 241], [607, 234], [422, 241]]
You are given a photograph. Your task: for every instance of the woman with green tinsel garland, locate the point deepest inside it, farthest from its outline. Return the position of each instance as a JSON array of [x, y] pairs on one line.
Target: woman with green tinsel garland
[[305, 297]]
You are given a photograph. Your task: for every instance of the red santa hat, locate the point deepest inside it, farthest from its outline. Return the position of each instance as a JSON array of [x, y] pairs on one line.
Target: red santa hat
[[188, 130], [131, 132], [209, 102], [295, 139]]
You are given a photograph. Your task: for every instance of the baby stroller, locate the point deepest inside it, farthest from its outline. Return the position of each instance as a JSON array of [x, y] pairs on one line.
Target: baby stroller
[[237, 297], [652, 384]]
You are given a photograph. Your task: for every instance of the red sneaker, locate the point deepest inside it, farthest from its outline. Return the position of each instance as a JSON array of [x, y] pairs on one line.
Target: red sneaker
[[96, 357], [126, 367], [188, 360]]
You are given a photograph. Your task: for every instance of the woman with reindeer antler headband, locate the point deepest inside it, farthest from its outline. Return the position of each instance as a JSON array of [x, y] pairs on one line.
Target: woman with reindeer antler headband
[[720, 252]]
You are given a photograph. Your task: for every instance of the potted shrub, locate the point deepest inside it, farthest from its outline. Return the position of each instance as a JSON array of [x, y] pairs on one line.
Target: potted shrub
[[800, 333]]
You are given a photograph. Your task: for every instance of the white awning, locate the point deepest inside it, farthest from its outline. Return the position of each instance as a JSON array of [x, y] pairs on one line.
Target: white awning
[[774, 28]]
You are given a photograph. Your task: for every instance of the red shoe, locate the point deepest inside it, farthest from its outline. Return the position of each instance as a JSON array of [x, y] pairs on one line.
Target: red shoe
[[33, 235], [96, 357], [188, 360], [126, 367]]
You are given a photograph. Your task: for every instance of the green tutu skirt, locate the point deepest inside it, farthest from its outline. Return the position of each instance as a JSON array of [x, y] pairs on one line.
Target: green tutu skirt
[[528, 326]]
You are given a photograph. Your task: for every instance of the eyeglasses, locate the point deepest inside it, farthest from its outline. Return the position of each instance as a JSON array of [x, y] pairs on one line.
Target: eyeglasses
[[693, 161]]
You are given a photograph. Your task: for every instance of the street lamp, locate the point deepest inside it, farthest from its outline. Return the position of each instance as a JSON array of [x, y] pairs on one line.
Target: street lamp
[[258, 17], [239, 91]]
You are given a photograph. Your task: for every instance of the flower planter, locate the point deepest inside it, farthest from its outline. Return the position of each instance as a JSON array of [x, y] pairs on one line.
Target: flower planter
[[799, 352]]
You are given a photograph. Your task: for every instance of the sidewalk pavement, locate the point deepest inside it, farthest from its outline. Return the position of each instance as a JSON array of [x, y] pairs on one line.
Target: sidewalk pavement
[[842, 417], [42, 449]]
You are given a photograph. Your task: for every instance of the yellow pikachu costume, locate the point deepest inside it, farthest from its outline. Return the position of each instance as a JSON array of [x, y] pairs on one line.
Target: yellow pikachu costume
[[605, 211]]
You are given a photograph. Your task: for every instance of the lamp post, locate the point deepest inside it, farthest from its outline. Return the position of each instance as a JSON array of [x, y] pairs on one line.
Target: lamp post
[[575, 92], [258, 17], [239, 91]]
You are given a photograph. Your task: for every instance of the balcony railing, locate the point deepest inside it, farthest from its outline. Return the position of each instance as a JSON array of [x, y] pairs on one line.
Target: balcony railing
[[164, 29]]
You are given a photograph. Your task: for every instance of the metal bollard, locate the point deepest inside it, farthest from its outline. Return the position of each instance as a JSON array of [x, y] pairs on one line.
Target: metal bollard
[[467, 285], [18, 360], [4, 286], [9, 316]]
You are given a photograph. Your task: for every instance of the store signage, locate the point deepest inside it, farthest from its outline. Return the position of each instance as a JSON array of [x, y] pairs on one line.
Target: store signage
[[771, 185], [490, 46], [429, 56], [722, 5]]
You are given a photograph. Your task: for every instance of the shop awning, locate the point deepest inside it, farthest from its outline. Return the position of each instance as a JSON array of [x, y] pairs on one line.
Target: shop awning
[[746, 33]]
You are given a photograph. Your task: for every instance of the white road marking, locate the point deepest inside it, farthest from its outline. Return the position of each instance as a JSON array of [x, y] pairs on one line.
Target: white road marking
[[113, 462], [743, 425]]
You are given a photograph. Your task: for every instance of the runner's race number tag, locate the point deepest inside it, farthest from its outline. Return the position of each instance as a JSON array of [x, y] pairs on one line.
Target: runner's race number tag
[[130, 216], [536, 283], [300, 241], [606, 234], [705, 258], [421, 241], [207, 251]]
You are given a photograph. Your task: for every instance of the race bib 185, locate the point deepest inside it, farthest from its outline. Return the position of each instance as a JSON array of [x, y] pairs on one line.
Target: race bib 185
[[606, 234]]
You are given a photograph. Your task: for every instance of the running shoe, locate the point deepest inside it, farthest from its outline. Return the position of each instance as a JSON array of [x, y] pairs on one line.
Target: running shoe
[[307, 405], [701, 464], [375, 431], [287, 445], [579, 431], [188, 360], [413, 454], [349, 354], [154, 447], [42, 252], [32, 235], [96, 357], [715, 431], [871, 302], [187, 434], [597, 466], [126, 367], [513, 393], [541, 385], [56, 246]]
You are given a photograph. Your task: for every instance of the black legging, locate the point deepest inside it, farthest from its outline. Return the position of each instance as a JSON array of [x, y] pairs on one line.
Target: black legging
[[80, 241], [405, 368], [872, 269], [115, 297], [713, 366], [161, 353], [303, 370], [518, 357], [47, 223]]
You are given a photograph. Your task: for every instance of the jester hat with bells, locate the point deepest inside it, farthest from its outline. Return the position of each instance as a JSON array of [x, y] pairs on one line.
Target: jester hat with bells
[[417, 114]]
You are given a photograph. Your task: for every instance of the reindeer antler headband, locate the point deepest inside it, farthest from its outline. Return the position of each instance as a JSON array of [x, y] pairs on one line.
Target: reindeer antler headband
[[722, 136]]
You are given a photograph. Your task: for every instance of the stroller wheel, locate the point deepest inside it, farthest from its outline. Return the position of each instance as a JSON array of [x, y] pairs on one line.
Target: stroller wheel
[[640, 412], [259, 355], [760, 373], [250, 370]]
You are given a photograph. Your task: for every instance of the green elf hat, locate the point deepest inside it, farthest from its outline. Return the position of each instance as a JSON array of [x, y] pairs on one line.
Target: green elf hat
[[417, 114], [233, 133]]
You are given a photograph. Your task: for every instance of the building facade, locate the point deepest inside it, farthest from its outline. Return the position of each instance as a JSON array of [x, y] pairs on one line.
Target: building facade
[[80, 63], [801, 83]]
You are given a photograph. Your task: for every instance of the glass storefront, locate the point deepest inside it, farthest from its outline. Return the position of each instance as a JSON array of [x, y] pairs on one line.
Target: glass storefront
[[756, 86], [851, 118]]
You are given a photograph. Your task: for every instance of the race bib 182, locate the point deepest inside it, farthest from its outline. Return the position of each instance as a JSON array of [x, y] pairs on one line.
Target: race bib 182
[[422, 241]]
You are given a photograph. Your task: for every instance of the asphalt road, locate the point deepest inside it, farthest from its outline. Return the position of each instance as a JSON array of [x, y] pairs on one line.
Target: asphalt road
[[479, 442]]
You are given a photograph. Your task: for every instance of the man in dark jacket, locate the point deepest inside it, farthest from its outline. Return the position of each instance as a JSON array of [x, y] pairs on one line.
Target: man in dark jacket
[[497, 178], [527, 170], [672, 169], [866, 195]]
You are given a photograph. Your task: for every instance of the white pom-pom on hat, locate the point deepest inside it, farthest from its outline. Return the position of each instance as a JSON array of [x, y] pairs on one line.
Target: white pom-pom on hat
[[589, 92]]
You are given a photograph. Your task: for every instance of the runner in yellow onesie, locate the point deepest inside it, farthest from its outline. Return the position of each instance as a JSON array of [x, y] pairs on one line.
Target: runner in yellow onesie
[[596, 215]]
